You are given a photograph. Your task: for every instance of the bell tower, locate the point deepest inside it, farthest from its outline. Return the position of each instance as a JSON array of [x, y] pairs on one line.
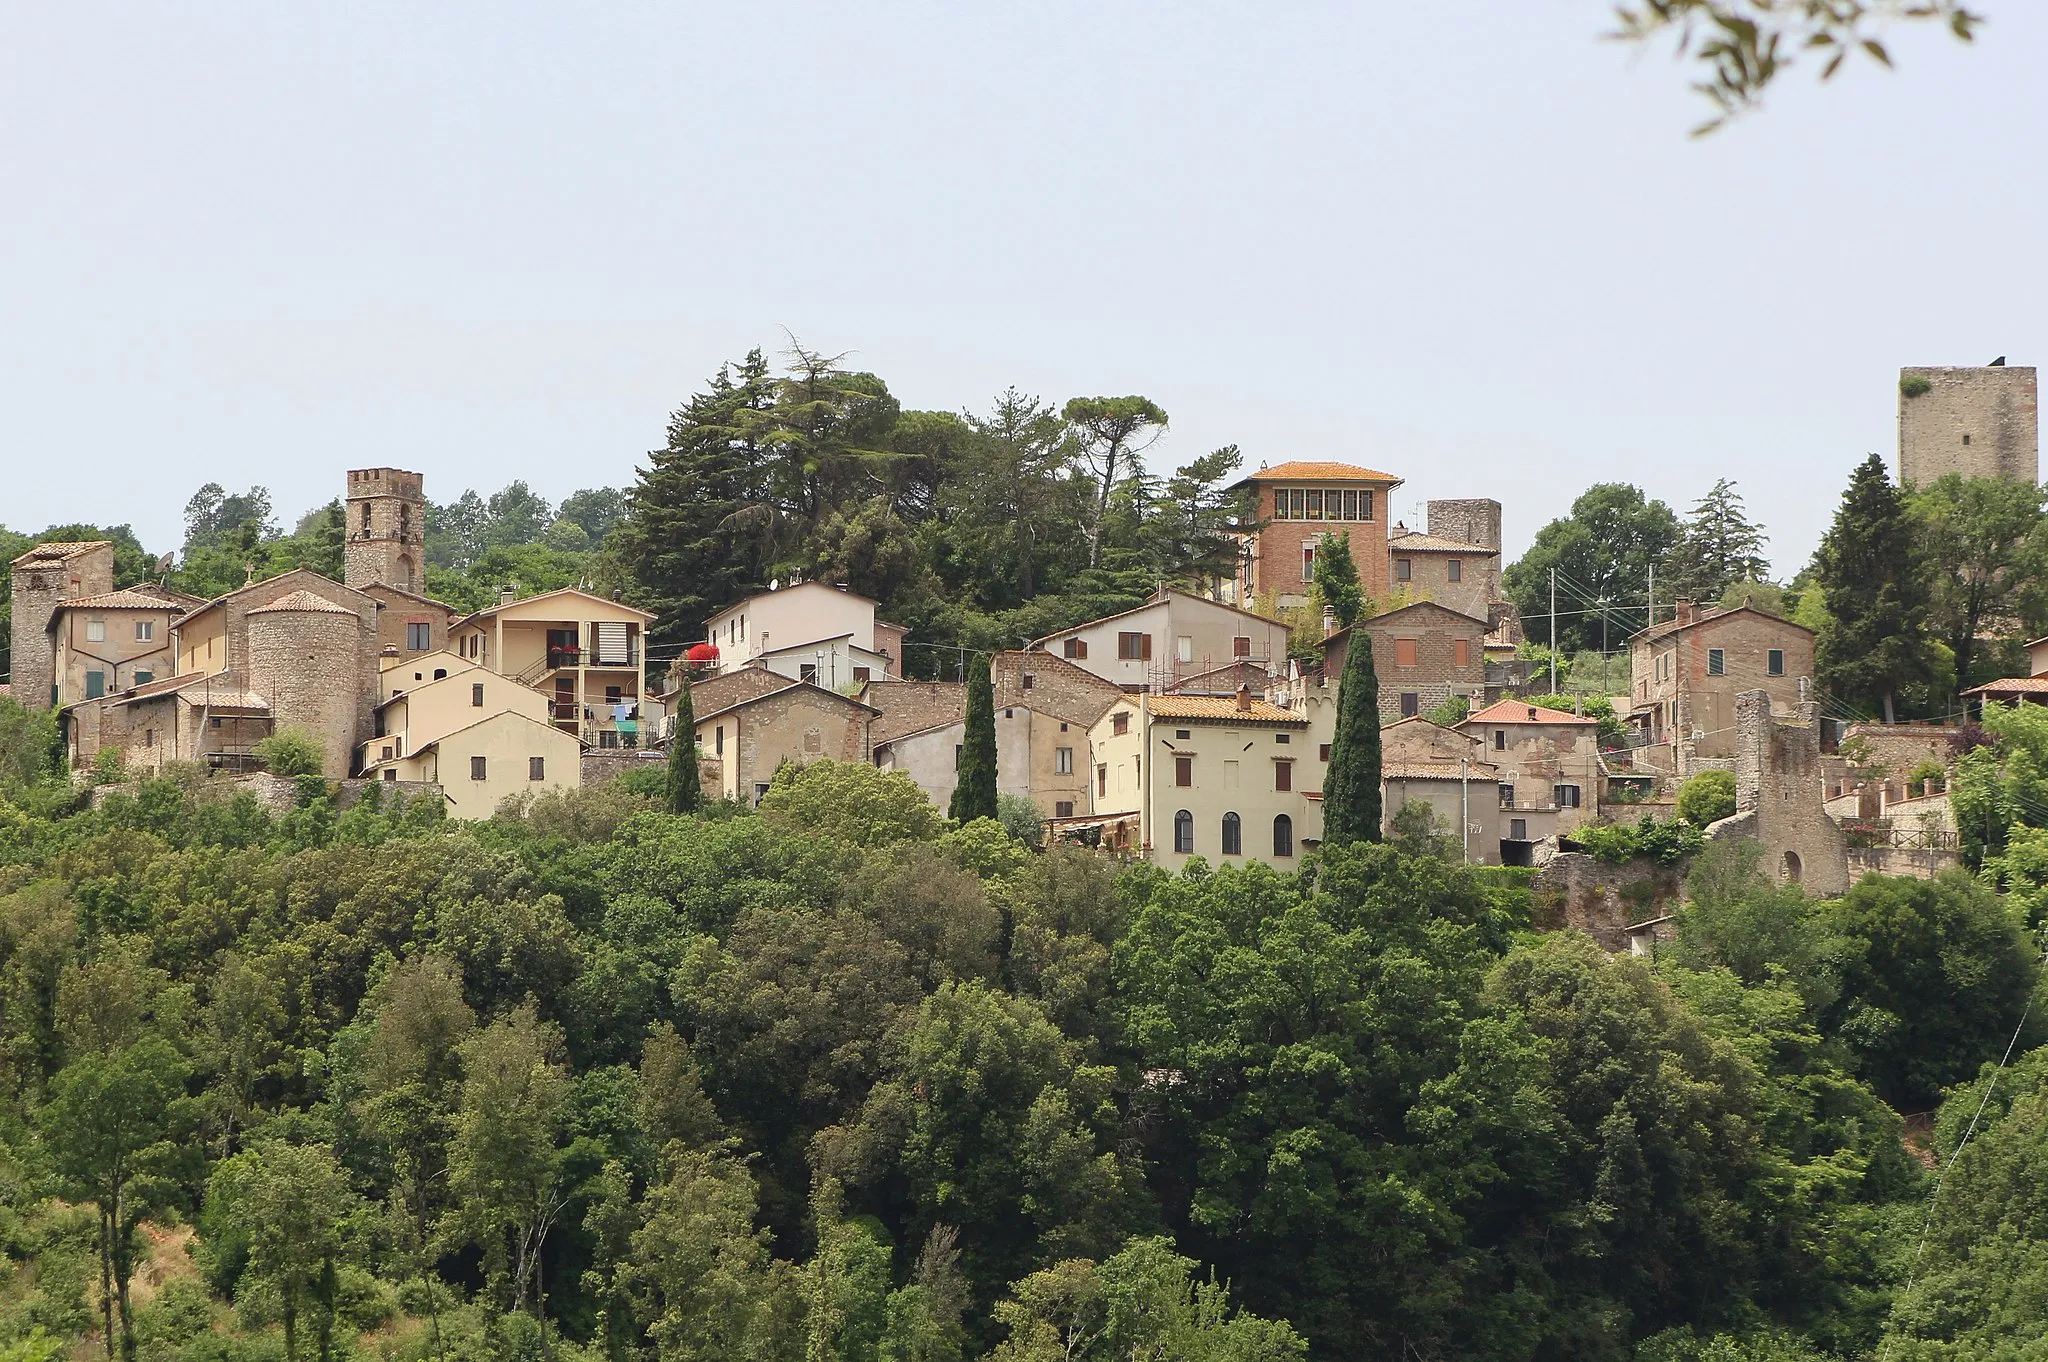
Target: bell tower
[[387, 529]]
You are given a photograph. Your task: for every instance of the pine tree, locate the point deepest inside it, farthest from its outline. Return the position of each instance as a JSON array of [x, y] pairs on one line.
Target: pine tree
[[1874, 642], [1337, 579], [1720, 546], [685, 791], [975, 796], [1351, 787]]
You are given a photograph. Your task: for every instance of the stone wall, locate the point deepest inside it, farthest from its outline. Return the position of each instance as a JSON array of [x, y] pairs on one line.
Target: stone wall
[[1436, 675], [1576, 892], [280, 794], [1779, 798], [1981, 422], [1920, 863], [602, 764], [38, 584], [387, 528]]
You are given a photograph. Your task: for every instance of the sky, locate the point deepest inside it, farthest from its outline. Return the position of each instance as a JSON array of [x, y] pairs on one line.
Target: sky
[[1470, 244]]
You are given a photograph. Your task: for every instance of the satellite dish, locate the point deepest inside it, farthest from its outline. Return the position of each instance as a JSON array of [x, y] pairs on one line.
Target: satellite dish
[[165, 563]]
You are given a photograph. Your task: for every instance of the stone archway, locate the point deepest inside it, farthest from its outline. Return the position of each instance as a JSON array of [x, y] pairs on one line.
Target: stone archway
[[1792, 867]]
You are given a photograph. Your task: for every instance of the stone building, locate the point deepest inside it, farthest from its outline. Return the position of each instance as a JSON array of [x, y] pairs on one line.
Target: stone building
[[1549, 760], [1173, 636], [409, 624], [752, 721], [1472, 520], [1296, 503], [44, 577], [111, 642], [1779, 799], [1449, 772], [1423, 653], [1451, 572], [386, 536], [1980, 422], [1685, 674]]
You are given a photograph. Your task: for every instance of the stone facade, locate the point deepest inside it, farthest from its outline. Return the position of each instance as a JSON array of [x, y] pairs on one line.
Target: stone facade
[[409, 624], [1686, 673], [1549, 758], [1980, 422], [43, 577], [291, 645], [387, 528], [1576, 892], [799, 722], [1474, 520], [1779, 798], [1423, 654]]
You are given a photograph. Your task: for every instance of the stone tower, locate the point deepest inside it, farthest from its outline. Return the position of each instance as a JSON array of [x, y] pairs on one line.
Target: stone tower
[[1471, 521], [387, 529], [45, 575], [1980, 422], [304, 650]]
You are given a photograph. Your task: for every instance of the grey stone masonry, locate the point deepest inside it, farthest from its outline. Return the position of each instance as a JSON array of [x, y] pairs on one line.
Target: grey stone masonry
[[1779, 797], [1980, 422]]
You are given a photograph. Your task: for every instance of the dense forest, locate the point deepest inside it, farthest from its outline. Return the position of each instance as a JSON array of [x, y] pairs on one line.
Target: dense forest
[[838, 1079]]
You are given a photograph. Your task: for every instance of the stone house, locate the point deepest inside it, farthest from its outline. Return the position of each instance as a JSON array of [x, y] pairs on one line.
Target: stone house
[[1447, 770], [587, 654], [808, 631], [1296, 503], [1549, 760], [504, 754], [1174, 635], [211, 718], [1685, 674], [1178, 776], [1452, 572], [753, 720], [44, 577], [114, 641], [1423, 654], [409, 624]]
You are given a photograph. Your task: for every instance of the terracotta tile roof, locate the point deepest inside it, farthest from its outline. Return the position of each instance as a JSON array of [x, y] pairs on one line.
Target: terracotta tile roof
[[1521, 712], [491, 610], [1223, 707], [1306, 470], [57, 550], [716, 693], [128, 598], [1417, 542], [220, 690], [303, 602], [1707, 615], [1478, 772], [2012, 685]]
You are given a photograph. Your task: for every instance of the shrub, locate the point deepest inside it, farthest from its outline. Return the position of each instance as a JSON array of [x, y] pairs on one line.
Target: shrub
[[1021, 819], [1664, 843], [1707, 798], [291, 752], [1914, 385], [1450, 712]]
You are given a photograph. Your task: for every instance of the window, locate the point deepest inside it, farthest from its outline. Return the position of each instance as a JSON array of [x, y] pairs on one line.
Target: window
[[1297, 501], [1507, 795], [1029, 680], [1518, 829], [1241, 646], [1500, 740], [95, 685], [1134, 647], [1283, 835], [1308, 563], [1365, 504], [439, 672], [1283, 775], [807, 671], [419, 637], [1063, 761], [1315, 503], [1063, 808], [1776, 661], [1120, 722], [1184, 833], [1283, 738], [1404, 569], [1183, 734], [1233, 835], [1717, 662], [476, 768], [1411, 704], [607, 738], [476, 695], [1282, 510], [1351, 504], [863, 674], [1184, 771], [95, 631], [145, 631], [387, 751], [1184, 649], [536, 768], [144, 678], [718, 741], [1565, 796], [1323, 752], [760, 792], [1077, 647], [959, 751], [1461, 652], [1407, 652], [1454, 571], [1102, 780]]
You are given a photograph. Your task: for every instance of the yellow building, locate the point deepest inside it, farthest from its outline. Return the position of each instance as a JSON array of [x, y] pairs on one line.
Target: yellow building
[[497, 757], [411, 719], [401, 674], [585, 654]]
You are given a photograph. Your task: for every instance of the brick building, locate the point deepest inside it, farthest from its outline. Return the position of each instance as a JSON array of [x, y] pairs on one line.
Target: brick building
[[1980, 422], [1423, 653], [1686, 672], [1298, 502], [1451, 773]]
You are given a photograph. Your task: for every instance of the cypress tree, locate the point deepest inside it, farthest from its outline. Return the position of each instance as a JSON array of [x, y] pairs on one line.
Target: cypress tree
[[1337, 579], [1351, 787], [1874, 642], [975, 796], [685, 792]]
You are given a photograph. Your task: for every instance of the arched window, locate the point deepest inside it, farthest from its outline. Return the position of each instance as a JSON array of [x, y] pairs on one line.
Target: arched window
[[1283, 835], [1184, 832], [1792, 867], [1233, 835]]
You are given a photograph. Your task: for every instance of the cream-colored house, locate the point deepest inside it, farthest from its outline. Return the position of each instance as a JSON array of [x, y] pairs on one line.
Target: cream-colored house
[[586, 654], [110, 642], [411, 719], [401, 674], [1227, 779], [499, 756], [808, 632], [1172, 636]]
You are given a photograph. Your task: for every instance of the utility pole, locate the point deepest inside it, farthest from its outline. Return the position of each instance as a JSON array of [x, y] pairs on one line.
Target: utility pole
[[1653, 595], [1465, 809], [1553, 631]]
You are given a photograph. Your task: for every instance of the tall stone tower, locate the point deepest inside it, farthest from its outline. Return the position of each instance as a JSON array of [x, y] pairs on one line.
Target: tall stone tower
[[45, 575], [387, 529], [1473, 520], [1981, 422]]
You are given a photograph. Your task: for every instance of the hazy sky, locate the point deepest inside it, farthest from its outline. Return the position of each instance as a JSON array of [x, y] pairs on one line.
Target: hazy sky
[[1467, 243]]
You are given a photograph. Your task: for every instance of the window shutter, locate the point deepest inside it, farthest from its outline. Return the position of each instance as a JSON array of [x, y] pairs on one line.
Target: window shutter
[[1145, 647], [611, 645]]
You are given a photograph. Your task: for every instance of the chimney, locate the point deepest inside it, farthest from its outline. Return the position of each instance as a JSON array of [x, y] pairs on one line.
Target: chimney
[[1329, 620], [1684, 611], [508, 593], [1244, 698]]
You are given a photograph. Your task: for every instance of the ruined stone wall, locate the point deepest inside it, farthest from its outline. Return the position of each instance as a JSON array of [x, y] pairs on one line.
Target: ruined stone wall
[[1779, 798], [1980, 422], [1577, 892]]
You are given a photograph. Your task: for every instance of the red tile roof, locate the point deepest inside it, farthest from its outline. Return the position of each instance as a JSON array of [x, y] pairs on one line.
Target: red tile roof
[[128, 598], [1304, 470], [1521, 712], [1220, 707]]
